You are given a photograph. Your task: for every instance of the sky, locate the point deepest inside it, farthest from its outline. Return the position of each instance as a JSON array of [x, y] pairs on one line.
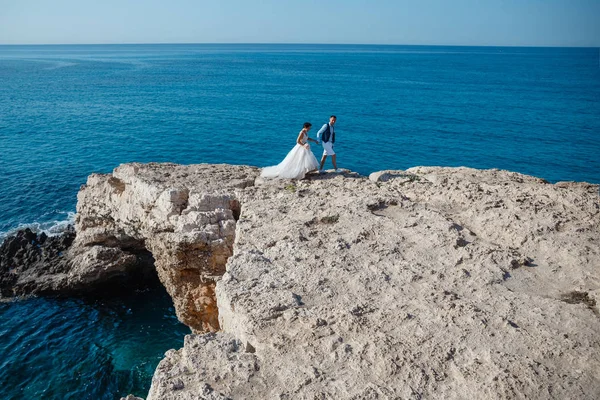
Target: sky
[[418, 22]]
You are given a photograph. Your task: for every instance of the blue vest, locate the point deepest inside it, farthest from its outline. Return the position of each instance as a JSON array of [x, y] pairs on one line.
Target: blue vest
[[327, 133]]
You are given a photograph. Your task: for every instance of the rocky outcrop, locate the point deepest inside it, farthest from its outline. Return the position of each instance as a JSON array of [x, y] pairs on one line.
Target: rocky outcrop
[[445, 283], [175, 219], [183, 215], [32, 263], [37, 264]]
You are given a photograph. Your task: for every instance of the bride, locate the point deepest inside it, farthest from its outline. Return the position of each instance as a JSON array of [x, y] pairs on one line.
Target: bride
[[298, 161]]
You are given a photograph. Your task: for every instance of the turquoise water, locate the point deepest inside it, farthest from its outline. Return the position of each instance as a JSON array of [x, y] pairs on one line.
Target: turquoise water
[[68, 111], [100, 348]]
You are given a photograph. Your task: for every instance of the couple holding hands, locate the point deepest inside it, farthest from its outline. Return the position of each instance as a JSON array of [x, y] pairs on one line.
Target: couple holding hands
[[301, 159]]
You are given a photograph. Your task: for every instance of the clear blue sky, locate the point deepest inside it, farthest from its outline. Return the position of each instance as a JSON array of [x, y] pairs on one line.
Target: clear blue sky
[[452, 22]]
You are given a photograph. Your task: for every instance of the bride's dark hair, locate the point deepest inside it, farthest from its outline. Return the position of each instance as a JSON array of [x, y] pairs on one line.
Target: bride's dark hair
[[307, 125]]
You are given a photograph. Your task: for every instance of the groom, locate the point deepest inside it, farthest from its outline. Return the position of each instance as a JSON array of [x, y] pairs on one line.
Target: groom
[[328, 134]]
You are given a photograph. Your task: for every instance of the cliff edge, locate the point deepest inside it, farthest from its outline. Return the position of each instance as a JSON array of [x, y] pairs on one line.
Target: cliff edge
[[441, 283], [446, 283]]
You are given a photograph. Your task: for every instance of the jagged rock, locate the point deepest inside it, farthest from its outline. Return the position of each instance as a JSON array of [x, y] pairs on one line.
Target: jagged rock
[[184, 215], [181, 372], [34, 263], [179, 220], [454, 284]]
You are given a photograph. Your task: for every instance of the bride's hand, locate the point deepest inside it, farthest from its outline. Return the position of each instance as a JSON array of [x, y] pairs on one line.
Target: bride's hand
[[306, 146]]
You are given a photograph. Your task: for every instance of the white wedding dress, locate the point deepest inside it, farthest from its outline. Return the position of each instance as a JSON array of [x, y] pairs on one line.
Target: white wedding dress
[[295, 165]]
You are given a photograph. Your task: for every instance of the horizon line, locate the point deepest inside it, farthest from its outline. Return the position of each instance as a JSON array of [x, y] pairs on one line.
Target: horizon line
[[294, 43]]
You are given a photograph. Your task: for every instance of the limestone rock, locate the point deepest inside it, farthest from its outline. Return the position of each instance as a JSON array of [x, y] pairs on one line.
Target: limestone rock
[[180, 375], [177, 219], [446, 283], [457, 283], [183, 215], [384, 176]]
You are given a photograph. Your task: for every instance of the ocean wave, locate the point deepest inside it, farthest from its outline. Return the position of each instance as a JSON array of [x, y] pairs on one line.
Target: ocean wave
[[60, 64], [50, 228]]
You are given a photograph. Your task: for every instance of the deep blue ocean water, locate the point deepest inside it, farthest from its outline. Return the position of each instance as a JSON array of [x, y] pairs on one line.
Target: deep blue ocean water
[[68, 111]]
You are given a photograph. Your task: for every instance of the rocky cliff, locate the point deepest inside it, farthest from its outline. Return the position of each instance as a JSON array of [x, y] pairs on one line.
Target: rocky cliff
[[446, 283], [183, 215], [179, 220]]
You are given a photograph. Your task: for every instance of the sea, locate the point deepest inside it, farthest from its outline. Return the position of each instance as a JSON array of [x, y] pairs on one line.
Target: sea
[[67, 111]]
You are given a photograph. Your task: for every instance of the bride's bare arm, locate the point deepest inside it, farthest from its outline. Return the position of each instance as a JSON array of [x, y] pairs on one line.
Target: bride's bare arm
[[299, 140]]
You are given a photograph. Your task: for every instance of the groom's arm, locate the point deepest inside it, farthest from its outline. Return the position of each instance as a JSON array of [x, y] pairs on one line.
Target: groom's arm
[[321, 132]]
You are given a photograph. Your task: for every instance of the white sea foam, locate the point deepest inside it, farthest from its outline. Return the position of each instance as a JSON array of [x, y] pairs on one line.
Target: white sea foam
[[50, 228], [60, 64], [52, 64]]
